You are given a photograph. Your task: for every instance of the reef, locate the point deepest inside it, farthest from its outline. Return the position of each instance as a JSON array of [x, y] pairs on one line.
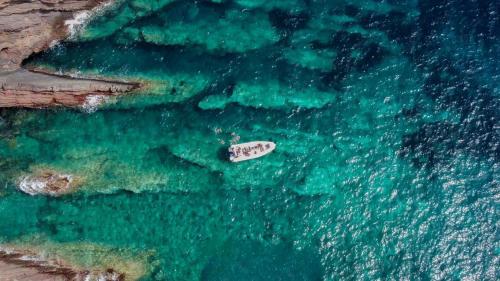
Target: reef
[[230, 31], [271, 95], [30, 27]]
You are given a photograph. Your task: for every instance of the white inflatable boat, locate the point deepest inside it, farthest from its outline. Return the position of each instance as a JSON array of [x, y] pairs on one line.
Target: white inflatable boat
[[250, 150]]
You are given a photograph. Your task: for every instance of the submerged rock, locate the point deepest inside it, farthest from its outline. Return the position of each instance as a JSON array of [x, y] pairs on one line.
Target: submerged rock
[[214, 30], [124, 12], [47, 183], [271, 95]]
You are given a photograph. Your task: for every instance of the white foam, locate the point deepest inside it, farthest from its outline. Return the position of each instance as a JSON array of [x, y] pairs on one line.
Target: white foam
[[53, 44], [6, 250], [102, 276], [81, 19], [77, 22], [34, 185], [35, 258], [92, 102]]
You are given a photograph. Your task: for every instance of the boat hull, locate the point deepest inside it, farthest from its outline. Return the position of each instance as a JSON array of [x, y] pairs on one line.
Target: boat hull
[[250, 150]]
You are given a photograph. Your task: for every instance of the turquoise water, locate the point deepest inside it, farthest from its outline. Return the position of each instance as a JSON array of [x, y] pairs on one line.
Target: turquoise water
[[385, 115]]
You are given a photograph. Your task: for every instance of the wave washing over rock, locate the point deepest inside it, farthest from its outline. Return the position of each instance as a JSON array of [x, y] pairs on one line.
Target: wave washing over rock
[[47, 183], [385, 116], [76, 24]]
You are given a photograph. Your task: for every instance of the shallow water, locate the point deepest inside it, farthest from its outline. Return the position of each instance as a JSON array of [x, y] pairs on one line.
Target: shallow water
[[385, 115]]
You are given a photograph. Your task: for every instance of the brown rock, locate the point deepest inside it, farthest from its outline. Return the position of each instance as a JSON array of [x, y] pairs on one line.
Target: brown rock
[[23, 88], [27, 27], [48, 182], [27, 266], [11, 272]]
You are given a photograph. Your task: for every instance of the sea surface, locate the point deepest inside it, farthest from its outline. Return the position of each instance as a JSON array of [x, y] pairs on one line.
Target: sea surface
[[386, 117]]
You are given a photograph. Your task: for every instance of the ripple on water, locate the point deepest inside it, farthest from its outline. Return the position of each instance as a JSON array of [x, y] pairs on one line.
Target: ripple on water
[[384, 115]]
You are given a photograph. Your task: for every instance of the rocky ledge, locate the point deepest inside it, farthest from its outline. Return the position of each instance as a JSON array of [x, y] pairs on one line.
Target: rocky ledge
[[28, 27], [23, 88], [26, 266]]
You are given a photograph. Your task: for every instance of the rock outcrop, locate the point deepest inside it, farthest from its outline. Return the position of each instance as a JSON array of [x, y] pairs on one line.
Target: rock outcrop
[[27, 27], [26, 266], [48, 182], [23, 88]]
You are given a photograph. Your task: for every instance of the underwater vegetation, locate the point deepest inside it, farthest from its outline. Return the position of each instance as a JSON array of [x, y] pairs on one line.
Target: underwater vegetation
[[385, 115]]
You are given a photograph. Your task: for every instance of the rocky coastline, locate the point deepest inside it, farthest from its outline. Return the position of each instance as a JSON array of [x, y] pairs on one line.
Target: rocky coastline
[[30, 27]]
